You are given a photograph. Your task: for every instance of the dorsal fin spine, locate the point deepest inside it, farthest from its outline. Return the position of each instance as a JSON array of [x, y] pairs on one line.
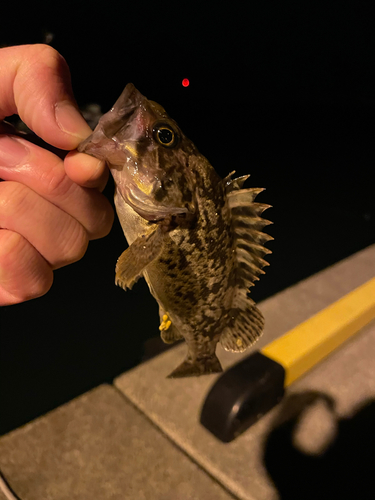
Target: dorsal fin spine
[[246, 321], [246, 226]]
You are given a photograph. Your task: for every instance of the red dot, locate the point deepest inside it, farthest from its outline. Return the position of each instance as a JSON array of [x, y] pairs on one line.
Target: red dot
[[185, 82]]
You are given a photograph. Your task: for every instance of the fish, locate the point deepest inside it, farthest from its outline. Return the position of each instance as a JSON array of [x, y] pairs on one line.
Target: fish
[[196, 239]]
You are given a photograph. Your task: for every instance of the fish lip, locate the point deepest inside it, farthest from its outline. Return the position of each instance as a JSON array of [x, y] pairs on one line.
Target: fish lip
[[137, 200], [121, 112], [129, 99]]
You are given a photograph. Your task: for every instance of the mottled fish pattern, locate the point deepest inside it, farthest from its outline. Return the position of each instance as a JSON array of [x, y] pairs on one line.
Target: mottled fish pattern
[[196, 238]]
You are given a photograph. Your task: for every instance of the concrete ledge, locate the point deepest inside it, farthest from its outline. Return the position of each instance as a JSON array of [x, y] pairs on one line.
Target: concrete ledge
[[99, 447]]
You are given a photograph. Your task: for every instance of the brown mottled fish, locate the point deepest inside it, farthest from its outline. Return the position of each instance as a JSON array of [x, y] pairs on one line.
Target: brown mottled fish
[[196, 238]]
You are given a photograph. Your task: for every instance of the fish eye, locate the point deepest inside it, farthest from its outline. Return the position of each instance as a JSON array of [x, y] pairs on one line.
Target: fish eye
[[165, 135]]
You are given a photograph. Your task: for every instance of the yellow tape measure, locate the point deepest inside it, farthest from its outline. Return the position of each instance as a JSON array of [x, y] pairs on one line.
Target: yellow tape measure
[[245, 392], [308, 343]]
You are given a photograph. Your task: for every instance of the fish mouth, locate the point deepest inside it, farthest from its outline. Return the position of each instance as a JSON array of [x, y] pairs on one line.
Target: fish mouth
[[140, 202], [122, 111]]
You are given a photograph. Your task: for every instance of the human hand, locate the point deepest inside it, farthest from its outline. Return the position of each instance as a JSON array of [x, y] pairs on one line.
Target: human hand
[[46, 217]]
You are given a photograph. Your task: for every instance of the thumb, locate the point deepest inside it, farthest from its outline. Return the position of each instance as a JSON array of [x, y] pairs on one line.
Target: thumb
[[35, 84]]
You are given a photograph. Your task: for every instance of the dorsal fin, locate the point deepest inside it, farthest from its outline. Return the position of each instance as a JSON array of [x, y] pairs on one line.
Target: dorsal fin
[[246, 322], [232, 184], [247, 225]]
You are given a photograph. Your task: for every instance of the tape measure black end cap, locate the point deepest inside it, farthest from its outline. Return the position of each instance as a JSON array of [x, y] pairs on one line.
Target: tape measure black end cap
[[242, 395]]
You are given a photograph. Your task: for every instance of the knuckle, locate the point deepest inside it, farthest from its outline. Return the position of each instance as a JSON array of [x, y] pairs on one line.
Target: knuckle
[[108, 221], [25, 274], [41, 285], [103, 222], [55, 181], [11, 245], [13, 200], [46, 54], [38, 286], [75, 244]]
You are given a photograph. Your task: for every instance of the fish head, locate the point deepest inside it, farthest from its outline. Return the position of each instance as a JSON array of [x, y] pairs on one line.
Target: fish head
[[148, 156]]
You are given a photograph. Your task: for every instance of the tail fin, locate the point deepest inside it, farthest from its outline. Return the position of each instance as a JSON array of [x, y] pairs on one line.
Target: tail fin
[[202, 366]]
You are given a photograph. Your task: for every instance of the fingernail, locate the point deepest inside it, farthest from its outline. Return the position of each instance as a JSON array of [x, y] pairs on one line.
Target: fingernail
[[93, 171], [12, 151], [70, 121]]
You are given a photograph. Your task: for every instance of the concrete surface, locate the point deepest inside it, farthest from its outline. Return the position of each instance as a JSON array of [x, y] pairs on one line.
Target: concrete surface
[[348, 376], [142, 439], [99, 447]]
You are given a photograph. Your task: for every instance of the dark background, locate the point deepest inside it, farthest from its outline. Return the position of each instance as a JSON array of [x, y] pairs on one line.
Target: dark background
[[281, 90]]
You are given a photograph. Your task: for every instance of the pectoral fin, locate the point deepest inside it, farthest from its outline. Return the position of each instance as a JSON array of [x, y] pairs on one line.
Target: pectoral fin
[[137, 257]]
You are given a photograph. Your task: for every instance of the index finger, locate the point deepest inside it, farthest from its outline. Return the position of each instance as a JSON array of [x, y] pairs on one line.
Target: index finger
[[35, 83]]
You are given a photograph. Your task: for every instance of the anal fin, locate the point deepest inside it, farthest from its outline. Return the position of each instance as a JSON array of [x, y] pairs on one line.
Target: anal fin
[[245, 326], [137, 257]]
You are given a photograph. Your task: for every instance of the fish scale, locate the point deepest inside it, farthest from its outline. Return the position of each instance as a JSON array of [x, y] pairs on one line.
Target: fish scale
[[196, 238]]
